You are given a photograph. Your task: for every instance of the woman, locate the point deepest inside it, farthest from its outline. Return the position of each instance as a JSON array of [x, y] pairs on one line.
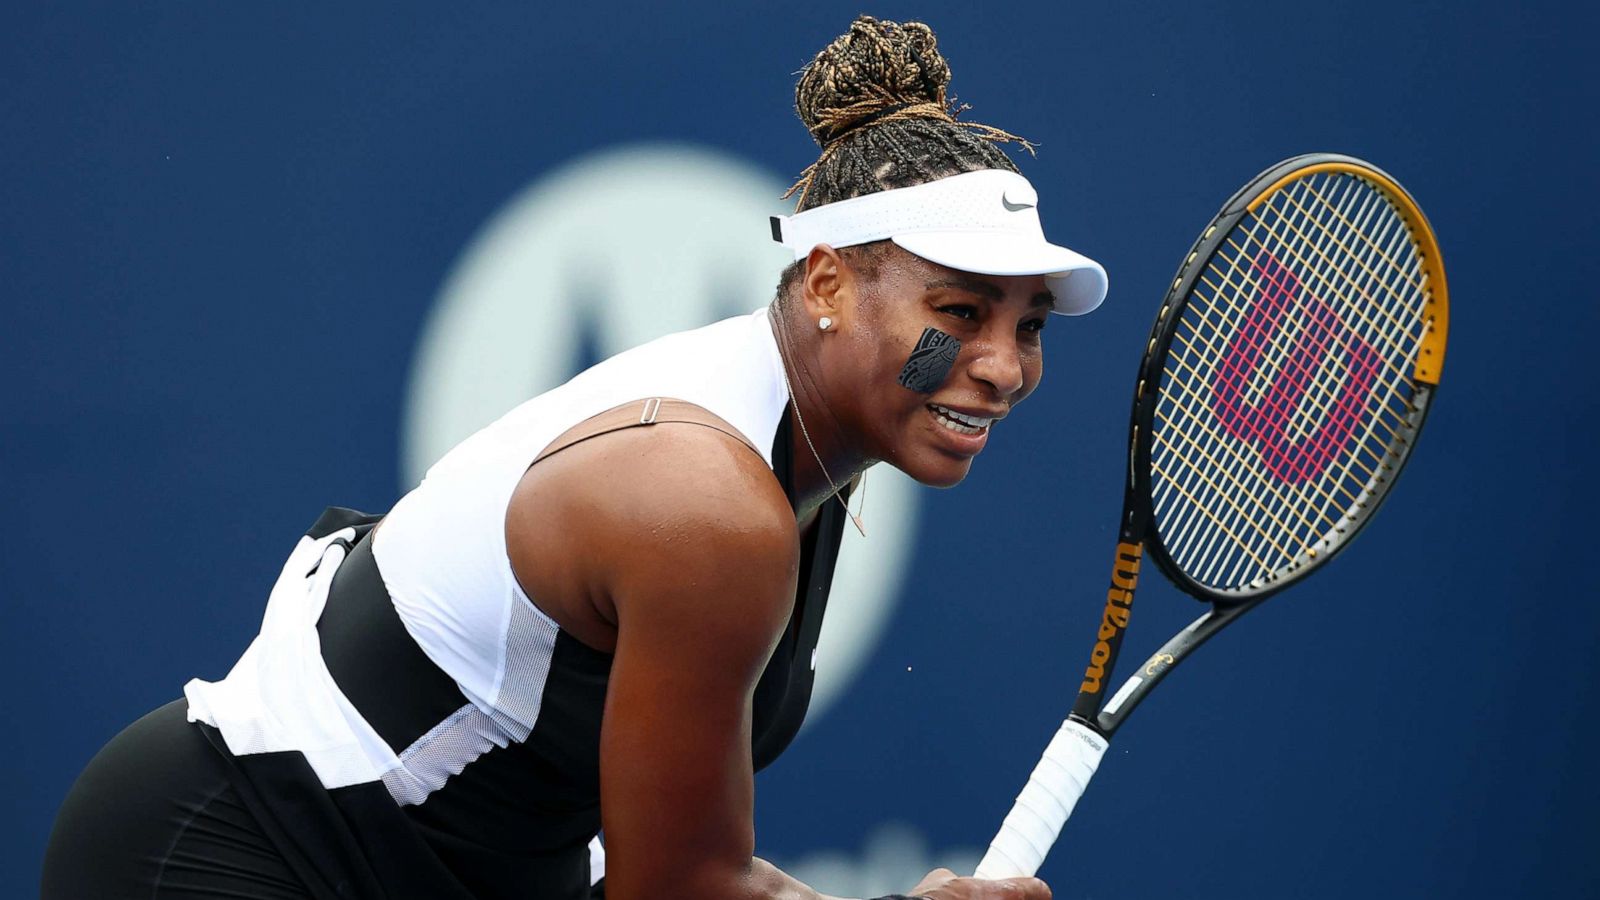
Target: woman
[[601, 611]]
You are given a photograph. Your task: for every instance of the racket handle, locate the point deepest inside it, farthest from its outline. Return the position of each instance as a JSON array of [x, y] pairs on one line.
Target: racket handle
[[1046, 801]]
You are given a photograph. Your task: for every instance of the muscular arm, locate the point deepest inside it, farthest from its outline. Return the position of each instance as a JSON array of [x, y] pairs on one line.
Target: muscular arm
[[678, 544], [674, 547], [697, 620], [676, 775]]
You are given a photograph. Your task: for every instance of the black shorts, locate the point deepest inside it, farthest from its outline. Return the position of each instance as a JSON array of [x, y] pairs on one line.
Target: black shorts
[[155, 816], [165, 812]]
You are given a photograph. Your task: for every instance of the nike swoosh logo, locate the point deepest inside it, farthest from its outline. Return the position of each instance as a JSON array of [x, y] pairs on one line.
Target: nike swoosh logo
[[1014, 207]]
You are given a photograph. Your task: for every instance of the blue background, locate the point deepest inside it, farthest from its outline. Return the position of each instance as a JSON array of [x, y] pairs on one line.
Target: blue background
[[222, 227]]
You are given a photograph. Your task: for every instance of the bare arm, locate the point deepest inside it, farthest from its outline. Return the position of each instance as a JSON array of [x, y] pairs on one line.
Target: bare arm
[[699, 610], [676, 547]]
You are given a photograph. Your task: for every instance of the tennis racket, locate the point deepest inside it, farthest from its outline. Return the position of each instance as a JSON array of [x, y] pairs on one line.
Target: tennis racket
[[1282, 390]]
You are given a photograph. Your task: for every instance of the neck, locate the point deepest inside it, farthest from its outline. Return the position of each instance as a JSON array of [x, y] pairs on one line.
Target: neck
[[824, 458]]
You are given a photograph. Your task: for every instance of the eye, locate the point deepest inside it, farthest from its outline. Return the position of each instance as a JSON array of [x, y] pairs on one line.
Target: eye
[[1033, 326], [960, 310]]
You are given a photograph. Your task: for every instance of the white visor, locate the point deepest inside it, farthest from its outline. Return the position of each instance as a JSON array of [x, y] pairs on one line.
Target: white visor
[[986, 222]]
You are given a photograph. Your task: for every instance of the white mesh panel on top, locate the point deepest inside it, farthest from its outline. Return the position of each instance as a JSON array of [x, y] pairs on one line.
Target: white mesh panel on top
[[444, 751], [470, 732]]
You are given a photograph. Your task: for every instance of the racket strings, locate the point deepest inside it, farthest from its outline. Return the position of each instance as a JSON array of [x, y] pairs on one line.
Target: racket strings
[[1287, 380], [1235, 464], [1359, 256], [1311, 414], [1191, 414], [1256, 433], [1264, 293], [1391, 264], [1385, 331], [1279, 232]]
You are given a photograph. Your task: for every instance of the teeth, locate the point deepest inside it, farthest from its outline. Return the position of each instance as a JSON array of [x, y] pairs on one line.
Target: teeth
[[974, 421], [959, 422]]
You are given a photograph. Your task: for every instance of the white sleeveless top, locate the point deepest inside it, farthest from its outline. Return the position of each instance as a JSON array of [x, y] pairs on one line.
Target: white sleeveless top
[[442, 555], [442, 550]]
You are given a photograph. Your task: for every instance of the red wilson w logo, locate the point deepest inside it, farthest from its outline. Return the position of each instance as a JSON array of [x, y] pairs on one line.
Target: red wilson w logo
[[1323, 339]]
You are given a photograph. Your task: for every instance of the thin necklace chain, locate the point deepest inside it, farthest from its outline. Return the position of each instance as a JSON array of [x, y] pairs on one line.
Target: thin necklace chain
[[793, 401]]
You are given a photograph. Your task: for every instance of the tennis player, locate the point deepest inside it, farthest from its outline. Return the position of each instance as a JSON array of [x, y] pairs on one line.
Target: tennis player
[[601, 611]]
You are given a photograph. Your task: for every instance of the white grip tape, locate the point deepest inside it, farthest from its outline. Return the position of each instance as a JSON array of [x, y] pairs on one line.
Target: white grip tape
[[1030, 829]]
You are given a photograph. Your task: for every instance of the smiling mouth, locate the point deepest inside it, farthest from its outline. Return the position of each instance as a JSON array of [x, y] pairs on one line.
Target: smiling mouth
[[960, 423]]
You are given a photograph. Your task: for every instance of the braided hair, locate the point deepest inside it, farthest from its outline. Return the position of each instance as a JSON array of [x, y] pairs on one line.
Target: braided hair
[[876, 102]]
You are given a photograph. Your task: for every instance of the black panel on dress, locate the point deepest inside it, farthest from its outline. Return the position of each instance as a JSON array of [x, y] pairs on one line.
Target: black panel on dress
[[544, 793], [373, 659], [784, 692]]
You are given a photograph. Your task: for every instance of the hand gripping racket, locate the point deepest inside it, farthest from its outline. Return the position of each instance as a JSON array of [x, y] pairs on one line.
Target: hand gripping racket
[[1284, 384]]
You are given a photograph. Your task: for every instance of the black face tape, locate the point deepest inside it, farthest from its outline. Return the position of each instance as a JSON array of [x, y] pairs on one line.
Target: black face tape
[[931, 361]]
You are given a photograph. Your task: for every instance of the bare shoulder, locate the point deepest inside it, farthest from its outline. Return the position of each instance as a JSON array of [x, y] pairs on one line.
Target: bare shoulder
[[657, 481], [666, 510]]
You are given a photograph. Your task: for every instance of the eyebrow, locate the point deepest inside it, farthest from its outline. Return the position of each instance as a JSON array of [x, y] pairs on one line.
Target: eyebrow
[[985, 289]]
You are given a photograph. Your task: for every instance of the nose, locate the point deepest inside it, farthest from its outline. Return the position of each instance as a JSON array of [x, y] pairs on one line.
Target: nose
[[997, 362]]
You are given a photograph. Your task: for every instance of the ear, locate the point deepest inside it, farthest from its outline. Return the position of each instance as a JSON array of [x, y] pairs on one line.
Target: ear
[[829, 285]]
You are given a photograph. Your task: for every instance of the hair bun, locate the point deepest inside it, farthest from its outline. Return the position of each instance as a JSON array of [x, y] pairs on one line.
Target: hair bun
[[876, 69]]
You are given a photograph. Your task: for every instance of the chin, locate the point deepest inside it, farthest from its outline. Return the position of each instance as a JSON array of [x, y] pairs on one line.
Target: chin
[[932, 456], [936, 471]]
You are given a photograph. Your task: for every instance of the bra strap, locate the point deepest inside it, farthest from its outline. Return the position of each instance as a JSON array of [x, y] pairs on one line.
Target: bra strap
[[652, 411]]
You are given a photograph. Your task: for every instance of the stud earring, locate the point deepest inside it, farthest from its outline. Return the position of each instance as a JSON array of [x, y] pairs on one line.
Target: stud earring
[[824, 323]]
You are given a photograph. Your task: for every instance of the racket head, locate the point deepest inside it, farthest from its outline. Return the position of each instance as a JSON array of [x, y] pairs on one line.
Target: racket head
[[1286, 378]]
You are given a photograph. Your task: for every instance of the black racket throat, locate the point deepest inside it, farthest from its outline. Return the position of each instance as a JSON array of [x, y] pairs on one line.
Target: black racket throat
[[1104, 702]]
